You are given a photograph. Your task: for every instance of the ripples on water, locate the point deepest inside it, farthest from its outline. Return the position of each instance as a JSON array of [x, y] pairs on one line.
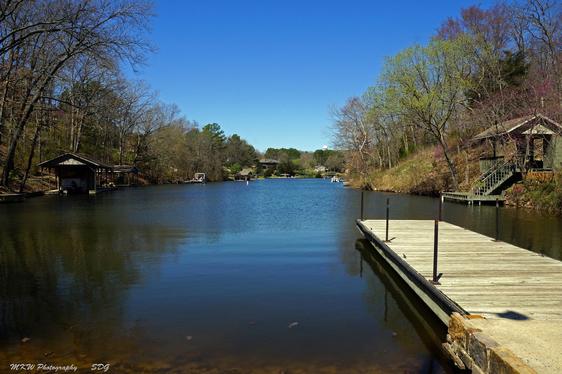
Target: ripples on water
[[207, 278]]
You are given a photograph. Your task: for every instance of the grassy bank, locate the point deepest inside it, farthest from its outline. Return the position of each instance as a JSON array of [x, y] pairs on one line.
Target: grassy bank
[[537, 191], [424, 172]]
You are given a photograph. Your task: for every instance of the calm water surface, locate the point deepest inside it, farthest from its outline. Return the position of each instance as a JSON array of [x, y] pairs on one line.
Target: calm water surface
[[208, 278]]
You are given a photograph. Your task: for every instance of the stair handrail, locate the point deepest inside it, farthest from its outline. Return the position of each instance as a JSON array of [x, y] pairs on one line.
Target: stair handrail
[[492, 175]]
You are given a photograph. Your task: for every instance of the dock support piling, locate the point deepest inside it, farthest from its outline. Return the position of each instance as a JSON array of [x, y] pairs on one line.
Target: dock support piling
[[387, 216], [436, 276]]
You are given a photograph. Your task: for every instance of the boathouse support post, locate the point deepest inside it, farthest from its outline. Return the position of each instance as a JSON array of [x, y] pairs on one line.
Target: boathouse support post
[[436, 276], [387, 217]]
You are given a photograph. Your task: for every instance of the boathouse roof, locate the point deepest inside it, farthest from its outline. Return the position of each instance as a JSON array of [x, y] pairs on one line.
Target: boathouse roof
[[246, 172], [71, 159], [125, 169], [537, 124]]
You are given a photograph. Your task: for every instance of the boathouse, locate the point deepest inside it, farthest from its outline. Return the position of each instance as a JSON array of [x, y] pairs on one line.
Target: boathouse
[[125, 175], [77, 173], [245, 174]]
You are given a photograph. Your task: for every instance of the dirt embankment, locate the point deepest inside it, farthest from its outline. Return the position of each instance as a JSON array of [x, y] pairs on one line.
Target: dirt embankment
[[426, 173], [538, 190]]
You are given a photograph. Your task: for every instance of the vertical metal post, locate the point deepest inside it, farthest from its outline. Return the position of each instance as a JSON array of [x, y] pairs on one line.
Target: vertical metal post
[[440, 213], [435, 251], [387, 216], [361, 205], [497, 219]]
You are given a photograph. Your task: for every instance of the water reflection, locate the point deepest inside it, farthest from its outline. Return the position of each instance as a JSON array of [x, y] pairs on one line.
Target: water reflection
[[64, 276], [194, 278], [398, 296]]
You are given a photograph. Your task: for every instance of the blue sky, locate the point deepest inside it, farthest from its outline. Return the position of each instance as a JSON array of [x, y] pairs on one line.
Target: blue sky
[[271, 70]]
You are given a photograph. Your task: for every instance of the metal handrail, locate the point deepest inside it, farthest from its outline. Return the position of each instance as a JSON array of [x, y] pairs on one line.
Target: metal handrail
[[492, 177]]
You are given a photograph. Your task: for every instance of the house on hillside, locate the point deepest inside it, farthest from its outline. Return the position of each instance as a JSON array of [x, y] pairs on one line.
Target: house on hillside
[[268, 163], [77, 173], [320, 169], [526, 144]]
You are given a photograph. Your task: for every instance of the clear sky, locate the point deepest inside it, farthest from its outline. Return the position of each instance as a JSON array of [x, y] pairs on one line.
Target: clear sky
[[271, 71]]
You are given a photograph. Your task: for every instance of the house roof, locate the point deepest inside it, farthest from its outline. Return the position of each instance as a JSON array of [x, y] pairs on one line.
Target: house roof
[[245, 172], [73, 159], [268, 161], [532, 124]]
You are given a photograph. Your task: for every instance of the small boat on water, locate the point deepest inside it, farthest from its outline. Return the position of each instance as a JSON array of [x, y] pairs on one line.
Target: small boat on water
[[335, 179]]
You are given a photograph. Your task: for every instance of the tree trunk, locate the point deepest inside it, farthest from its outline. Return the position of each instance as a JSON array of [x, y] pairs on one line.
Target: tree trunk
[[389, 158], [450, 164], [31, 155], [5, 93], [28, 109]]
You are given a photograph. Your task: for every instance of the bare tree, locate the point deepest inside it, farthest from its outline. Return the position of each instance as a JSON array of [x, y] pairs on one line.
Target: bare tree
[[106, 30]]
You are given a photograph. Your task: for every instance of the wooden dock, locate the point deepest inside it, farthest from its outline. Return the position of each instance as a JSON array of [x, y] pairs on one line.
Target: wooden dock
[[471, 198], [515, 293]]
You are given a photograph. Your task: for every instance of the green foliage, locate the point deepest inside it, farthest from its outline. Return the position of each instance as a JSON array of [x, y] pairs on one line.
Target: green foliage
[[238, 151], [286, 165], [322, 155], [235, 168], [214, 131], [276, 153], [268, 172], [514, 67]]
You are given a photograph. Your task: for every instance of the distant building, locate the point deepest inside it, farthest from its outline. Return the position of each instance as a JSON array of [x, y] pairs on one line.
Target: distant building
[[268, 163], [245, 174], [320, 169], [125, 175]]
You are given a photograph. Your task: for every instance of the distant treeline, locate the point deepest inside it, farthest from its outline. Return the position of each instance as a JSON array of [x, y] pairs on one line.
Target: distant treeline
[[292, 161], [484, 67], [62, 89]]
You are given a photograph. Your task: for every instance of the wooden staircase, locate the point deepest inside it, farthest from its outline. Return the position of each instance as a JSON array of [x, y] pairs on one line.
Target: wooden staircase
[[494, 178]]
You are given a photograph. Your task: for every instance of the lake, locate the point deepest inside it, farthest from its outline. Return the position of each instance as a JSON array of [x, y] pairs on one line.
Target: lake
[[226, 277]]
